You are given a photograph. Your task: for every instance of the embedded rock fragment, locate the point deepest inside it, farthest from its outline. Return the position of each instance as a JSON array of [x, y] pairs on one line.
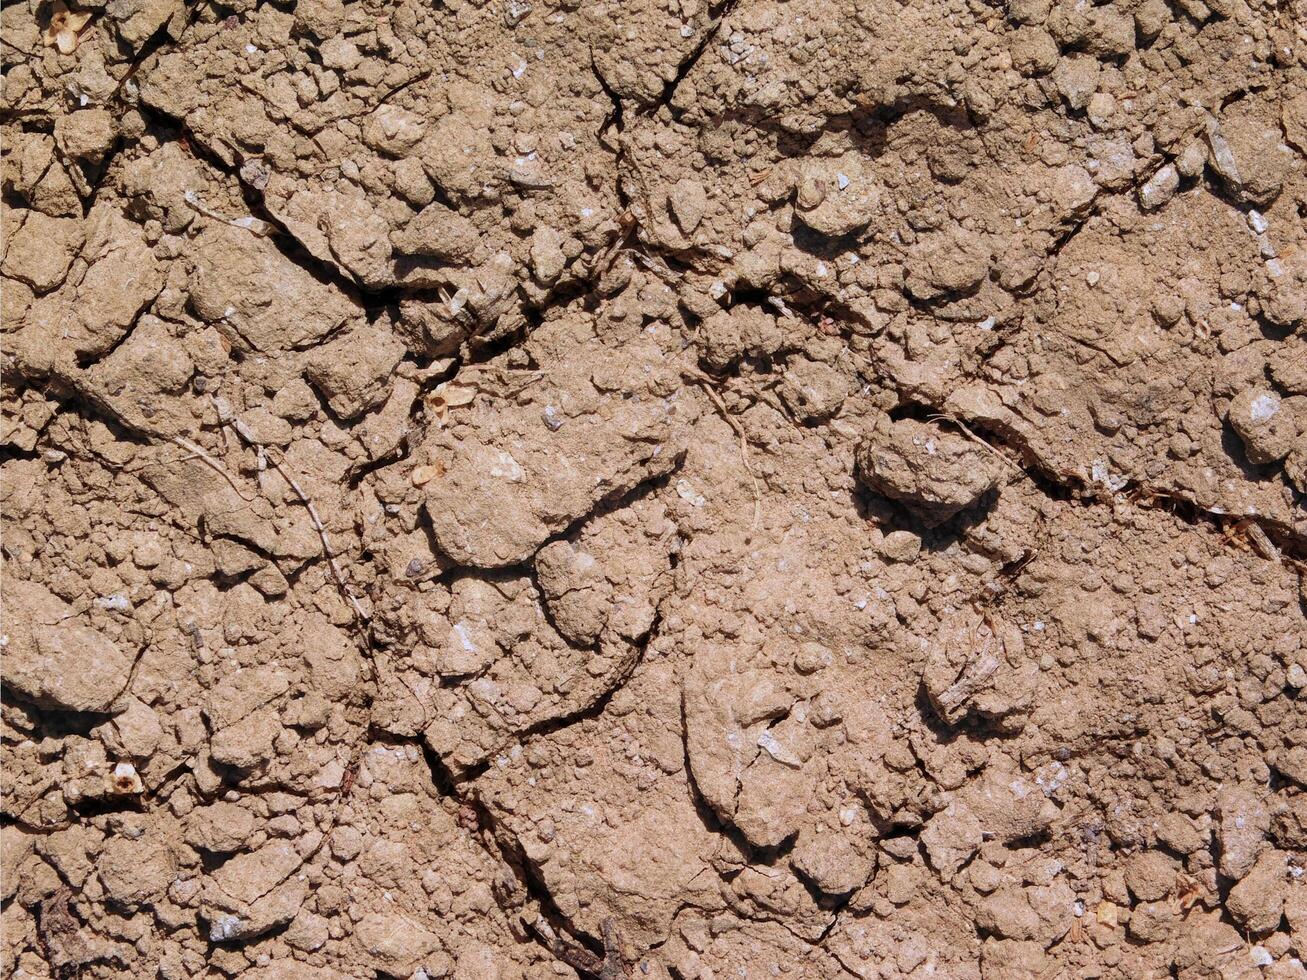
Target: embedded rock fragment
[[633, 848], [39, 175], [135, 21], [493, 509], [243, 721], [220, 828], [1283, 290], [358, 238], [115, 278], [687, 200], [1159, 188], [775, 787], [1257, 901], [1008, 806], [1244, 824], [247, 743], [123, 278], [394, 943], [85, 135], [141, 380], [951, 837], [253, 893], [457, 150], [946, 263], [836, 863], [812, 390], [511, 657], [437, 232], [136, 868], [724, 718], [393, 131], [1038, 912], [1249, 154], [744, 331], [1076, 77], [576, 591], [40, 249]]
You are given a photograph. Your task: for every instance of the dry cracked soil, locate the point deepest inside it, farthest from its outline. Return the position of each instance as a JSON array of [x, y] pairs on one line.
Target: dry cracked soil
[[523, 489]]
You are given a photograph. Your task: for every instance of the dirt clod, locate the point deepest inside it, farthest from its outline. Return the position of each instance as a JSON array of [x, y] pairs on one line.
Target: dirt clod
[[932, 472]]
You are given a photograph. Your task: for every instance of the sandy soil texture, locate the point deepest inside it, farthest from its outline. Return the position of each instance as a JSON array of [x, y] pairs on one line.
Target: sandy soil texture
[[523, 489]]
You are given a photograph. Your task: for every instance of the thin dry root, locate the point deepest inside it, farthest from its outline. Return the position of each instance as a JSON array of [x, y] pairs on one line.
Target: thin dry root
[[703, 381], [197, 452], [322, 534], [954, 420], [227, 418]]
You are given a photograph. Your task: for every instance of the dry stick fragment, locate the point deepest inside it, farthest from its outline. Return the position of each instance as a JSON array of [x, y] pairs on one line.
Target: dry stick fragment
[[250, 223], [1261, 541], [613, 968], [627, 224], [578, 957], [975, 674], [779, 303], [655, 265]]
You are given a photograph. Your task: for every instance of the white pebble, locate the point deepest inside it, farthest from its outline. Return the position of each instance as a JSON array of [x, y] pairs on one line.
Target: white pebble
[[1264, 408], [687, 493]]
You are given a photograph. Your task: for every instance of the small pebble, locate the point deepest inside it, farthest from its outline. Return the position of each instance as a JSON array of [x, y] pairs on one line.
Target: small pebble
[[1159, 188], [901, 546], [424, 474]]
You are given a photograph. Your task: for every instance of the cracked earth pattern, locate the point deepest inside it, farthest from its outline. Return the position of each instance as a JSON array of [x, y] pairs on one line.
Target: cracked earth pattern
[[508, 489]]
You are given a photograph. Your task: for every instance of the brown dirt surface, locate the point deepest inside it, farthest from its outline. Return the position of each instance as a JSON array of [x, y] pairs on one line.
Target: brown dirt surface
[[671, 489]]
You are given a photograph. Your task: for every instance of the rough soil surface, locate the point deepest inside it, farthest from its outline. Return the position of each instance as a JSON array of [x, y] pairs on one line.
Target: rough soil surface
[[507, 489]]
